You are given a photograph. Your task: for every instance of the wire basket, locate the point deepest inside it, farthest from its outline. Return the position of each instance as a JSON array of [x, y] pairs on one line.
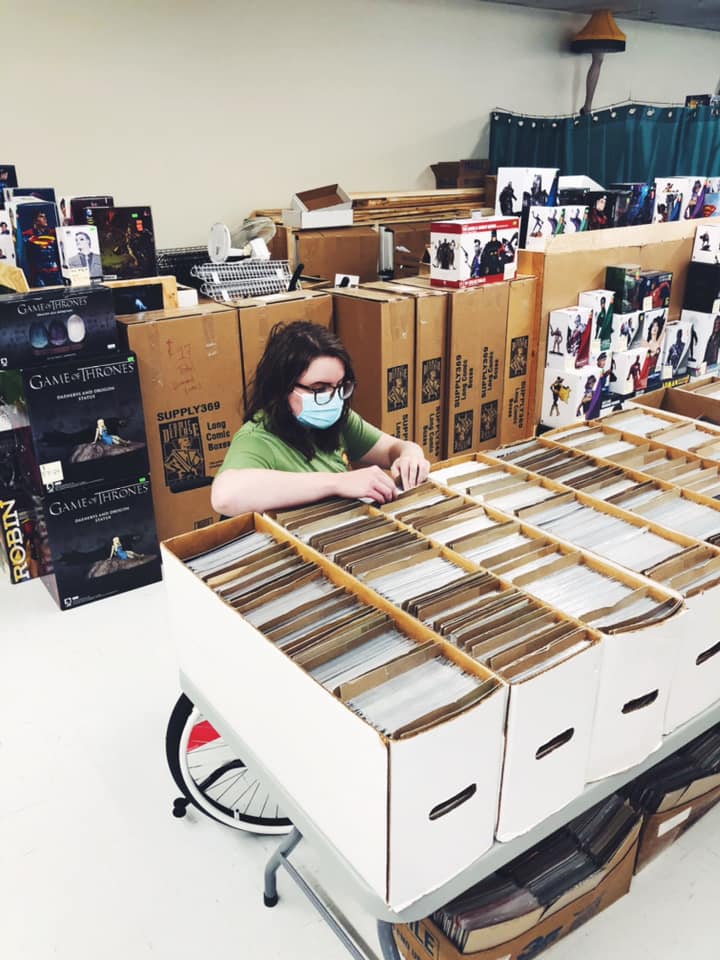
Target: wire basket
[[232, 282]]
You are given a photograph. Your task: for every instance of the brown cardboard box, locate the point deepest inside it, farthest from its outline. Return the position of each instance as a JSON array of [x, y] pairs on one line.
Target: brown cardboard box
[[686, 403], [191, 382], [575, 263], [424, 941], [477, 328], [378, 330], [679, 811], [515, 423], [325, 253], [259, 315], [430, 364], [411, 243]]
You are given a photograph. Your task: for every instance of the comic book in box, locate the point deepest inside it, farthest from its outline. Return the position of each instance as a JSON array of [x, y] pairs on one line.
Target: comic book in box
[[49, 325], [87, 419], [468, 253], [102, 540]]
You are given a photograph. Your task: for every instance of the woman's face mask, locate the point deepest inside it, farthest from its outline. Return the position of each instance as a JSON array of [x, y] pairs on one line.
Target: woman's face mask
[[320, 415]]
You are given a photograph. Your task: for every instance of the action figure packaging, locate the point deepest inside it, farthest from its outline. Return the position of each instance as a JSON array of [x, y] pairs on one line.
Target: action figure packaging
[[102, 540], [36, 242], [468, 253], [570, 338], [521, 188], [21, 553], [627, 368], [628, 329], [548, 222], [49, 325], [702, 290], [625, 282], [8, 178], [600, 204], [7, 244], [87, 420], [679, 198], [676, 349], [706, 248], [79, 210], [602, 304], [573, 395], [650, 343], [655, 289], [704, 342], [641, 205], [189, 366], [127, 242], [79, 251]]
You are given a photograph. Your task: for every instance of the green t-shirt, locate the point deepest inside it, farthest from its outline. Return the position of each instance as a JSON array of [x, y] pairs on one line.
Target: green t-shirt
[[254, 446]]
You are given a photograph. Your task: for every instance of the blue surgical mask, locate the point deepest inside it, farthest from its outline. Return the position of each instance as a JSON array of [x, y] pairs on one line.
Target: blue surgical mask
[[320, 416]]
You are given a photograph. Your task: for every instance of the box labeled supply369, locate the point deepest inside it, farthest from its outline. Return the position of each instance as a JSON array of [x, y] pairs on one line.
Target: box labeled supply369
[[468, 253], [476, 367], [87, 419], [47, 325], [190, 375], [378, 330], [102, 540]]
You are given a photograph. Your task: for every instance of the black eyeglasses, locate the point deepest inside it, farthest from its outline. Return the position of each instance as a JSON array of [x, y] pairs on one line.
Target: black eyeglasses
[[324, 394]]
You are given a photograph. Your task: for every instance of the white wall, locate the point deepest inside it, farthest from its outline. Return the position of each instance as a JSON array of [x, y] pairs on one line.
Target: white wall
[[208, 110]]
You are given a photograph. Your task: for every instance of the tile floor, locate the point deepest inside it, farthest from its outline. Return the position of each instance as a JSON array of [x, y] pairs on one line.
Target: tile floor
[[94, 867]]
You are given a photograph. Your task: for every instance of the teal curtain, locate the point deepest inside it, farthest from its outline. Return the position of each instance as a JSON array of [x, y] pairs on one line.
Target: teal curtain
[[629, 143]]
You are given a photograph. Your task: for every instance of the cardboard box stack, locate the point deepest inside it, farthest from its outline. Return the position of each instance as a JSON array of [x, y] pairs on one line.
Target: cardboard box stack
[[190, 371], [537, 899], [82, 512], [675, 794]]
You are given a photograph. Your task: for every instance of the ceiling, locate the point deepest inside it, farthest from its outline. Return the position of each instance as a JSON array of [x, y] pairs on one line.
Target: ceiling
[[702, 14]]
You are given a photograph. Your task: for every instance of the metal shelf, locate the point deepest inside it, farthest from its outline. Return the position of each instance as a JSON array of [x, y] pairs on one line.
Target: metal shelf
[[334, 865]]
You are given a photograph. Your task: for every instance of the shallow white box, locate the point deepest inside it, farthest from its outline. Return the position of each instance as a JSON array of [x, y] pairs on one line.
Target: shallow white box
[[370, 797], [322, 207]]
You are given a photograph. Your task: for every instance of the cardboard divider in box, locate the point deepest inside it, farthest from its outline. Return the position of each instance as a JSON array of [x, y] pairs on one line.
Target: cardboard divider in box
[[550, 713], [697, 400], [576, 263], [679, 467], [638, 652], [682, 433], [378, 329], [668, 505], [677, 813], [341, 770], [258, 315], [696, 670], [188, 363], [430, 369], [527, 935]]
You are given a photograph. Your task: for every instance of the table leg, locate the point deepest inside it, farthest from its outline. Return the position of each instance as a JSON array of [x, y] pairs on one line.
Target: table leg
[[275, 862]]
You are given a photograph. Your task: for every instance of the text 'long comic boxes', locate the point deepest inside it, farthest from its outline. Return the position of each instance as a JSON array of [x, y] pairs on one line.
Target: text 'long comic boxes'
[[468, 253]]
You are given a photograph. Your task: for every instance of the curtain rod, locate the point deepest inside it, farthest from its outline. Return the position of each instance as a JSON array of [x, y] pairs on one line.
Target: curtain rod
[[611, 106]]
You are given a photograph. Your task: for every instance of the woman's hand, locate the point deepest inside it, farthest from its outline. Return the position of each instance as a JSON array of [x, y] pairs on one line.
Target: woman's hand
[[369, 482], [411, 469]]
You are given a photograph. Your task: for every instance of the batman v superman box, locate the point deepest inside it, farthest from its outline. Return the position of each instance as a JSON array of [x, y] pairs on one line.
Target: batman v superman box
[[102, 540], [44, 326], [87, 419]]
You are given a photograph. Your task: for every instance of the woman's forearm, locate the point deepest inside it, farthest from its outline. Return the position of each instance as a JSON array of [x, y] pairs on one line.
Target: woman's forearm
[[256, 490]]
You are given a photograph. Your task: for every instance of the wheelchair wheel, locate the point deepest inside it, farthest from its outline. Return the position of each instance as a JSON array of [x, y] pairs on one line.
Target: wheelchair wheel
[[213, 779]]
